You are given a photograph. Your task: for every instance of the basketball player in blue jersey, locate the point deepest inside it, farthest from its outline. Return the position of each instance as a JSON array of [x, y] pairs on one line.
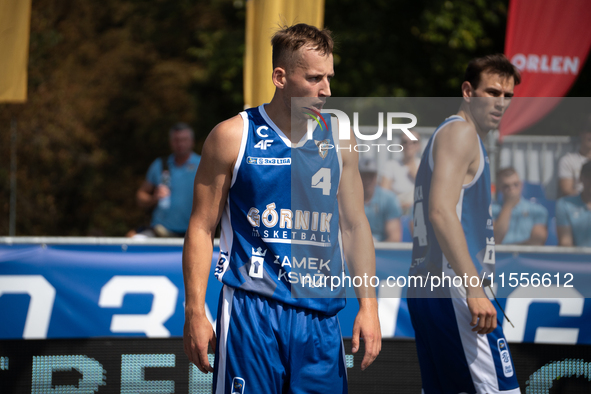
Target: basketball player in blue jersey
[[460, 343], [275, 219]]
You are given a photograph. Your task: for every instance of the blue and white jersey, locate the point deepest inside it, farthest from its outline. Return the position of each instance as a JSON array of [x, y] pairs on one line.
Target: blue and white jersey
[[280, 224], [474, 210]]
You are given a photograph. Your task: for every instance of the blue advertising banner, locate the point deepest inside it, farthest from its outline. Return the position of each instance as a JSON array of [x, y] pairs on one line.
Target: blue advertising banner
[[84, 291]]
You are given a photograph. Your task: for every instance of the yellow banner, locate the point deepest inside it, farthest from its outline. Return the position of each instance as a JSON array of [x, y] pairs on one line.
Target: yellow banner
[[263, 19], [15, 19]]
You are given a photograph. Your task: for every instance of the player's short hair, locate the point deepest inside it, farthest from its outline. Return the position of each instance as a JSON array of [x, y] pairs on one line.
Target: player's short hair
[[181, 126], [505, 172], [586, 170], [289, 39], [494, 64]]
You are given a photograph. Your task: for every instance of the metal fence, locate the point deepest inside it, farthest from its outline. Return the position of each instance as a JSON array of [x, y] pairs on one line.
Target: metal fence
[[176, 242], [535, 158]]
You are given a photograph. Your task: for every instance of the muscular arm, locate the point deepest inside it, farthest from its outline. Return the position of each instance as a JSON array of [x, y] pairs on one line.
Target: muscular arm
[[212, 183], [456, 157], [359, 254]]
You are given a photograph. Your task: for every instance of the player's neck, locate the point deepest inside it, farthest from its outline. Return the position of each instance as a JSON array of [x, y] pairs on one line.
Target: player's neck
[[280, 114], [465, 113]]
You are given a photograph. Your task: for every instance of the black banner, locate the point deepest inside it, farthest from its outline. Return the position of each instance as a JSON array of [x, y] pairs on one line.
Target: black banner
[[134, 365]]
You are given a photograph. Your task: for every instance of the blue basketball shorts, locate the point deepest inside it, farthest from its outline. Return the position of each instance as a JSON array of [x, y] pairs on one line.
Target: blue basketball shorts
[[266, 346], [453, 358]]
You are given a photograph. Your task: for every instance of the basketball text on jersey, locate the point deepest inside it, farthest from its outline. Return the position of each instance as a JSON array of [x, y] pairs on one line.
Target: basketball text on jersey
[[277, 225]]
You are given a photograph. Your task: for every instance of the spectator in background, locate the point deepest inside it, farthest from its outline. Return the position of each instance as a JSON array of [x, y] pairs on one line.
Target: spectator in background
[[381, 206], [517, 220], [569, 166], [399, 175], [573, 214], [168, 188]]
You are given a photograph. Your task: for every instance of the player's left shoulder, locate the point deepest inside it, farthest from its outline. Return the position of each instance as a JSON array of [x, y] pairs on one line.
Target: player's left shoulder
[[457, 140], [459, 133]]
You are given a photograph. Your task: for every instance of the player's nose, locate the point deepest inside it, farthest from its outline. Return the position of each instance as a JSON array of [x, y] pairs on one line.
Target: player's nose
[[501, 101], [324, 88]]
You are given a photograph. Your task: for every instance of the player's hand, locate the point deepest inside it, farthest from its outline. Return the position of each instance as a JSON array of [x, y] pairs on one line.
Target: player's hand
[[511, 200], [367, 326], [484, 314], [197, 334]]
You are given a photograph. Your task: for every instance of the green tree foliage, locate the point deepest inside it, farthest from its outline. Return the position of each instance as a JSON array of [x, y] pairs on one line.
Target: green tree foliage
[[402, 48], [107, 79]]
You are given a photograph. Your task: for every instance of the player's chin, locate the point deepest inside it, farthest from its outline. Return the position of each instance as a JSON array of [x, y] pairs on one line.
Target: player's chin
[[493, 124]]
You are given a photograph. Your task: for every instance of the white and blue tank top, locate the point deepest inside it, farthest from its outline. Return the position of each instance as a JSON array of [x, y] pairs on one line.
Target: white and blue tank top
[[280, 225], [474, 211]]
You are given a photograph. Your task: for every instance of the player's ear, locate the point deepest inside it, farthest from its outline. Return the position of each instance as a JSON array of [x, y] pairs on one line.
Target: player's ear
[[279, 75], [467, 90]]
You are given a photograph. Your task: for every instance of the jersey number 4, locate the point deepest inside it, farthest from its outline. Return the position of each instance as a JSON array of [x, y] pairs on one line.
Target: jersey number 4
[[321, 180]]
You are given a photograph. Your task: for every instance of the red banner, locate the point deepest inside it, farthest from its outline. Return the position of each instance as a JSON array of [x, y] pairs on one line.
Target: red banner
[[548, 41]]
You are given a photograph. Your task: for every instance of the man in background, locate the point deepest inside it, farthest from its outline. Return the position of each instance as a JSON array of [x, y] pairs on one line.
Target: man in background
[[399, 175], [573, 214], [168, 188], [460, 343], [381, 206], [517, 220]]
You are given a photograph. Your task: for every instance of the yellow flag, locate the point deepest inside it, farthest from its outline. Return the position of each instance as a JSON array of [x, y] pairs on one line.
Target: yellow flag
[[15, 19], [263, 19]]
